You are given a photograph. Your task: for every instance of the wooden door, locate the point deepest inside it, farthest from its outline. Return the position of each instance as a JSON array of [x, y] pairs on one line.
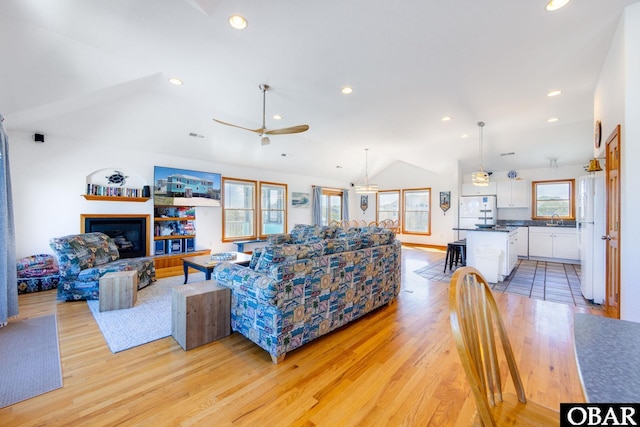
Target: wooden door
[[612, 300]]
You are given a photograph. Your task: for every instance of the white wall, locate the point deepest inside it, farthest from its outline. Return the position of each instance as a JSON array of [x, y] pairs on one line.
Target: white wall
[[401, 175], [48, 181], [617, 101]]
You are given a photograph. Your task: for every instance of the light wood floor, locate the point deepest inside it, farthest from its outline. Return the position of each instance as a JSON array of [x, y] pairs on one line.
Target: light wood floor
[[396, 366]]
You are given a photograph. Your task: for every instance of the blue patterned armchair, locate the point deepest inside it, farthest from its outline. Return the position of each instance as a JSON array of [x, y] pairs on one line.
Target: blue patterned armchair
[[292, 293], [84, 258]]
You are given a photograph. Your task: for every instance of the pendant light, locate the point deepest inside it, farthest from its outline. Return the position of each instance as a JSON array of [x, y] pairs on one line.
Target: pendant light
[[366, 188], [480, 178]]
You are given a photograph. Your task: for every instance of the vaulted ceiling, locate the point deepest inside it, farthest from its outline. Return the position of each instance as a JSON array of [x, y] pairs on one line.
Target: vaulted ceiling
[[97, 71]]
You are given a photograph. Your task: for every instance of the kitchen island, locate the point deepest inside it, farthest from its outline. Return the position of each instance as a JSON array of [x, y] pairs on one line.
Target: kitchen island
[[492, 251]]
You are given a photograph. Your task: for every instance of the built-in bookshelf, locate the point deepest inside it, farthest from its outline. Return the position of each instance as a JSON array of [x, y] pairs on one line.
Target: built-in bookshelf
[[116, 185], [174, 229]]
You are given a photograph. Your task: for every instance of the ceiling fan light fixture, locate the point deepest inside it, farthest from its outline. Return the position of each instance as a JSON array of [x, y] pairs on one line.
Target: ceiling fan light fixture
[[480, 178], [263, 131], [366, 187]]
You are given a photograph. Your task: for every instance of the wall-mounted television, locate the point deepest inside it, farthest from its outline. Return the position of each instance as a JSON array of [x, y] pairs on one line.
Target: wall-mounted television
[[183, 187]]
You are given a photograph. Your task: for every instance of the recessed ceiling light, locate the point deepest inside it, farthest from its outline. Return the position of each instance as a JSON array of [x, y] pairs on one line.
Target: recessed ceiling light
[[464, 135], [285, 155], [277, 117], [556, 4], [175, 81], [446, 118], [553, 119], [347, 90], [338, 167], [554, 93], [238, 22]]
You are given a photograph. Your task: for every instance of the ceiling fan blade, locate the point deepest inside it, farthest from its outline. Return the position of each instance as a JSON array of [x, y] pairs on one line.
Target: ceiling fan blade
[[259, 131], [284, 131]]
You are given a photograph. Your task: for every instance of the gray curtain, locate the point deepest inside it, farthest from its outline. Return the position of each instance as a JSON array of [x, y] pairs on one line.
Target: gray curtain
[[8, 280], [316, 206], [345, 204]]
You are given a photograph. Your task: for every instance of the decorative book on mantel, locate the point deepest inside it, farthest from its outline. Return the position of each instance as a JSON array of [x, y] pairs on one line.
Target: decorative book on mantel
[[115, 184]]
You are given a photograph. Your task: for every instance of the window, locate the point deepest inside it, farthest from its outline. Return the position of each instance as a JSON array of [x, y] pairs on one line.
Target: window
[[273, 208], [331, 205], [388, 205], [553, 199], [239, 212], [416, 208]]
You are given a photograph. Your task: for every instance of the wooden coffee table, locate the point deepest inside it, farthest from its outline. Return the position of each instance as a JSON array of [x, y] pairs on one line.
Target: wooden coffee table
[[205, 264]]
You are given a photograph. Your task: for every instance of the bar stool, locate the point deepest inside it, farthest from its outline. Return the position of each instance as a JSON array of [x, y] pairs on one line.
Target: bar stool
[[456, 253], [462, 245]]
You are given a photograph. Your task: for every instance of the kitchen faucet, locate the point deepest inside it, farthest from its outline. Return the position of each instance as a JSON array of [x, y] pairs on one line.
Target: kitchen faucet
[[554, 216]]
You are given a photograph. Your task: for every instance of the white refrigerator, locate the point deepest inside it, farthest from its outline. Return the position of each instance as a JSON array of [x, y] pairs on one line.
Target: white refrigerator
[[591, 227], [475, 210]]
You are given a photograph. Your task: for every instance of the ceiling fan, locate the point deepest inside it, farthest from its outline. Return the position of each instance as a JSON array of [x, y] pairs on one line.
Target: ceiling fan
[[263, 131]]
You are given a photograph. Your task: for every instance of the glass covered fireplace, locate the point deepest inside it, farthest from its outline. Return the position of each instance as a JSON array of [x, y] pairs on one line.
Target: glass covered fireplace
[[129, 232]]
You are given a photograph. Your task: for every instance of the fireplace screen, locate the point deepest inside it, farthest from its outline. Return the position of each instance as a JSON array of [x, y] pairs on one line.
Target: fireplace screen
[[128, 233]]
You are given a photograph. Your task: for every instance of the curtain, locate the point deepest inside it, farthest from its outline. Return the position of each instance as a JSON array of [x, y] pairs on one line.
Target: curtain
[[316, 206], [345, 204], [8, 280]]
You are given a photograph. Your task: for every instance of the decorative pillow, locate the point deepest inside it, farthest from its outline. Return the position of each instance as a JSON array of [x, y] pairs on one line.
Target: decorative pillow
[[311, 249], [347, 232], [278, 239], [300, 232], [274, 255], [373, 237], [344, 244], [255, 257]]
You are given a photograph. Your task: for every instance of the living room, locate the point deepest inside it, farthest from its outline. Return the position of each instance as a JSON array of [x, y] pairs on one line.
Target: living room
[[49, 177]]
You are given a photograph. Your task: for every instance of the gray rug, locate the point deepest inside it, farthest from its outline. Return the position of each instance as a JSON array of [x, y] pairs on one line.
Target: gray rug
[[148, 320], [29, 359]]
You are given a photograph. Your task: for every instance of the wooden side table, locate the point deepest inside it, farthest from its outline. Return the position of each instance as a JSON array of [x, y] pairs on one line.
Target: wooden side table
[[200, 313], [118, 290]]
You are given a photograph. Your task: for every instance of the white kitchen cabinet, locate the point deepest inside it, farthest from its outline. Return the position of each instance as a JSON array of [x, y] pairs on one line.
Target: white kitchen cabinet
[[522, 248], [492, 252], [512, 194], [553, 242], [476, 190], [512, 251]]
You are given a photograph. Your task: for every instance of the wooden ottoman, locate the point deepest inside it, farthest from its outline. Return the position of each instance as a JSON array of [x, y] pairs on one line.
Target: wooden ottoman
[[200, 313], [118, 290]]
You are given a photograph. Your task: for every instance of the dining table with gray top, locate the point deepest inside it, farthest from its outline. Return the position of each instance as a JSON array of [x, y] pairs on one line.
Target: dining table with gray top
[[608, 357]]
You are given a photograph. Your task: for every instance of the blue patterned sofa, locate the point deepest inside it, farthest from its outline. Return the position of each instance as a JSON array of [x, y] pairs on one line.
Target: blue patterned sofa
[[306, 284], [84, 258]]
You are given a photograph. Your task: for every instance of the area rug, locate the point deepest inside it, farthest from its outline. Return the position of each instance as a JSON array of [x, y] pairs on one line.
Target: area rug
[[148, 320], [29, 359]]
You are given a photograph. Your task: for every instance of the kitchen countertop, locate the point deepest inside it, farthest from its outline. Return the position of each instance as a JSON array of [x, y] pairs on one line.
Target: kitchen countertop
[[498, 228], [535, 223], [608, 355]]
